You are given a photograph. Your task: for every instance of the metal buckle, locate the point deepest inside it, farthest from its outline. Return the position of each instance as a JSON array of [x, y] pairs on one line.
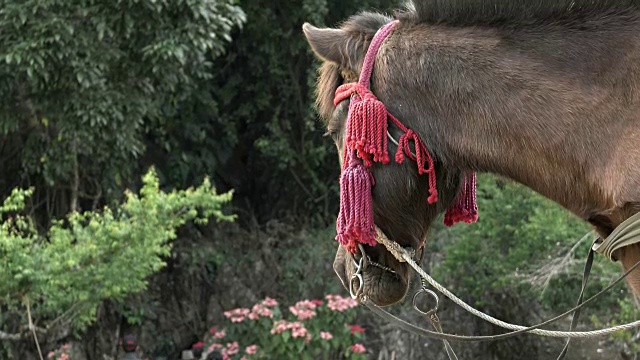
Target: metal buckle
[[426, 292], [360, 265]]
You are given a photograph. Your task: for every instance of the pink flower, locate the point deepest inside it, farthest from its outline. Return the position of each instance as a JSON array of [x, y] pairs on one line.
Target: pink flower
[[213, 331], [232, 348], [356, 329], [325, 335], [297, 329], [50, 354], [302, 314], [64, 356], [303, 310], [358, 348], [214, 346], [279, 326], [260, 310], [237, 315], [198, 345], [338, 303], [299, 332], [251, 350], [220, 334], [269, 302], [317, 302]]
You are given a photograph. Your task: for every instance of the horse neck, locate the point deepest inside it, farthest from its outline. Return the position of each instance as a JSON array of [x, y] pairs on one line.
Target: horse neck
[[552, 109]]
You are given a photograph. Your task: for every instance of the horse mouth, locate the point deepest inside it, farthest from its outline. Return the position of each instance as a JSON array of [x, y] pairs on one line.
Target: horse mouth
[[386, 280]]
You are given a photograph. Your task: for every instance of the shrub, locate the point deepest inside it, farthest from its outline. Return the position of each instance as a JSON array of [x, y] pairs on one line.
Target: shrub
[[310, 329]]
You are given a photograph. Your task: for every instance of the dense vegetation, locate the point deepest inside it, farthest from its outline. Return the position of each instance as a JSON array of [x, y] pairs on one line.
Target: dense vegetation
[[107, 107]]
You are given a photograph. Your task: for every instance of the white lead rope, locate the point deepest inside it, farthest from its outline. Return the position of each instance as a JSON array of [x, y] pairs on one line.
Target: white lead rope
[[402, 255]]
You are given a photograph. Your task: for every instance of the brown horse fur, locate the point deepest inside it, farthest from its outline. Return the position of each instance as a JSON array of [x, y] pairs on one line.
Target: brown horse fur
[[545, 92]]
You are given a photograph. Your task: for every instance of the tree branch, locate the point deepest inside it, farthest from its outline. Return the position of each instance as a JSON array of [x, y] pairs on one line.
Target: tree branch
[[11, 337], [76, 175], [24, 335], [32, 327]]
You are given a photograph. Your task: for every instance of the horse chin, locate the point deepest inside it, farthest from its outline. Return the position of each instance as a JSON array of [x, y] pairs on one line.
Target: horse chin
[[383, 287]]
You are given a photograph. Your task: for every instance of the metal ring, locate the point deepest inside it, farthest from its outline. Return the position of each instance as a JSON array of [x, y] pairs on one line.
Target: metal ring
[[360, 264], [357, 275], [433, 295]]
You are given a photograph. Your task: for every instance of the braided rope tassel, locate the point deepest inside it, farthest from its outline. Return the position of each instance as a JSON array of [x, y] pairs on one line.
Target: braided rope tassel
[[355, 220], [465, 207]]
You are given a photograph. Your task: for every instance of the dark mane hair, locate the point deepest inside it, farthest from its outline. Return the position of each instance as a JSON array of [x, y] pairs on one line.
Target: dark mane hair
[[510, 12]]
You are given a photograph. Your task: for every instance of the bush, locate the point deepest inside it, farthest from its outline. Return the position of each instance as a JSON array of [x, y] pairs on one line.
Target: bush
[[311, 329], [93, 256], [523, 261]]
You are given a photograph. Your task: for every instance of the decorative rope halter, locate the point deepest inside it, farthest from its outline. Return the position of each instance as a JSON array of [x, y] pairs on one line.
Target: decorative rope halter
[[366, 144]]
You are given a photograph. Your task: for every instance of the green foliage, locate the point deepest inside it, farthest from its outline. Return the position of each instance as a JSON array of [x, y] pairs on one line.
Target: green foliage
[[517, 231], [526, 253], [522, 262], [627, 340], [94, 256], [87, 79], [265, 92], [311, 329]]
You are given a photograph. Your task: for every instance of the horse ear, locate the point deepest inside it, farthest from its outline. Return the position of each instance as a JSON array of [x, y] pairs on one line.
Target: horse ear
[[329, 44]]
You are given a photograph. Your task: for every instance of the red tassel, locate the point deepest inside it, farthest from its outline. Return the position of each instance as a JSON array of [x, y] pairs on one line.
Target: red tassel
[[366, 139], [355, 220], [422, 158], [367, 129], [465, 207]]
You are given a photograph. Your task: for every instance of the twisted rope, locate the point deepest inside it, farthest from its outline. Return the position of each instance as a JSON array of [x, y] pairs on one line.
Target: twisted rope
[[403, 256]]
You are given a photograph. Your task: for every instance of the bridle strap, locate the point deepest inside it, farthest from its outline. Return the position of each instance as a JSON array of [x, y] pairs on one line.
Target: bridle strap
[[372, 51], [574, 322]]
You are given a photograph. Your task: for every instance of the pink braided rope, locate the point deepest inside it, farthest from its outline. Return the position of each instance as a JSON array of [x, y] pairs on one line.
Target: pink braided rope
[[370, 57]]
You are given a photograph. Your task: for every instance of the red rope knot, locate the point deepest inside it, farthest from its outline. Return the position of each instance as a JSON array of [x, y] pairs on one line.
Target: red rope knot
[[422, 158], [366, 130], [345, 91]]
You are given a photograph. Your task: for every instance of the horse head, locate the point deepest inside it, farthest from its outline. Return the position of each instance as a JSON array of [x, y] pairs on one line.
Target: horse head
[[400, 206]]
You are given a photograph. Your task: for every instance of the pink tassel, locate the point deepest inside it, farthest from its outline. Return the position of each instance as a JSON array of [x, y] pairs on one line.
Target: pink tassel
[[465, 207], [367, 129], [422, 158], [355, 220]]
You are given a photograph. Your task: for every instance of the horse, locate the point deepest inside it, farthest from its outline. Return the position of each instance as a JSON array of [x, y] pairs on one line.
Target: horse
[[543, 92]]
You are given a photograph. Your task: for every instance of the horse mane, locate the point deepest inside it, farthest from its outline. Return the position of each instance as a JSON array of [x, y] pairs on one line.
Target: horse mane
[[510, 12]]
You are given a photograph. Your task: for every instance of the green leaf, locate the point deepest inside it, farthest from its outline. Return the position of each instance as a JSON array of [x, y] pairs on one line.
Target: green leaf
[[95, 256]]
